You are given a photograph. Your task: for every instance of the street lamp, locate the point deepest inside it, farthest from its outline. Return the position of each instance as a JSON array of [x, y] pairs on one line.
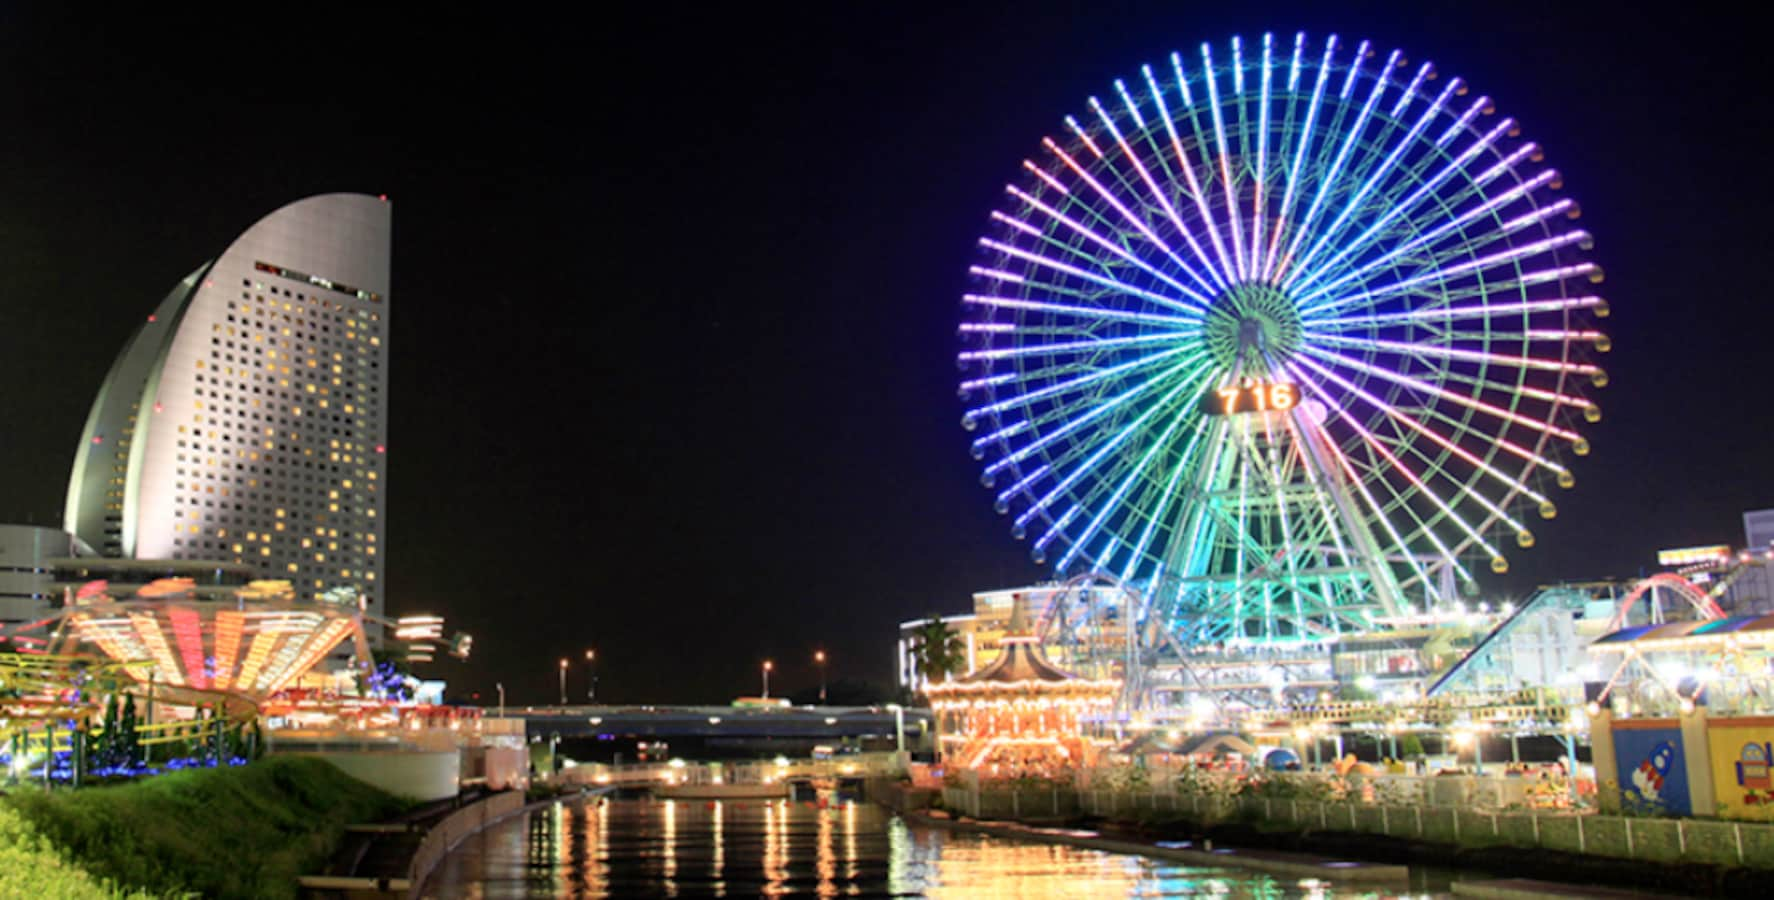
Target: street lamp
[[898, 727], [819, 657], [591, 666], [563, 681], [768, 665], [501, 686]]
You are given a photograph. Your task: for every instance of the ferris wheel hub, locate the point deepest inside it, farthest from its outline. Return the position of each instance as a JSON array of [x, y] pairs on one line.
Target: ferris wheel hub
[[1252, 328]]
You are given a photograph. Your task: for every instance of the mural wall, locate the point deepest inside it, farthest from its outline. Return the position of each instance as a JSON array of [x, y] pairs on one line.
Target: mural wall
[[1651, 768], [1743, 766]]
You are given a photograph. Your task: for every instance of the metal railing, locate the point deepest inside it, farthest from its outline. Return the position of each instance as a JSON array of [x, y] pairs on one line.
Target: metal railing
[[860, 765]]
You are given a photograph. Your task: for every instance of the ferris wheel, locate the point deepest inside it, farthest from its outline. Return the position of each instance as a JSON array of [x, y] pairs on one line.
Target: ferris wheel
[[1294, 336]]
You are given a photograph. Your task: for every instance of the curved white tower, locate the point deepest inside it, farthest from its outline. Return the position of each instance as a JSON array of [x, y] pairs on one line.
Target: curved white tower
[[246, 420]]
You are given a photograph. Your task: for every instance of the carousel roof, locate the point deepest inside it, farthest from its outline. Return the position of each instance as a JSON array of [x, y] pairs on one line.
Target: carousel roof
[[1022, 666], [1019, 659]]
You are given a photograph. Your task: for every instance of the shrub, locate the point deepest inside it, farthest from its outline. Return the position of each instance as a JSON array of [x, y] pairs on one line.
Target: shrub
[[245, 831], [31, 867]]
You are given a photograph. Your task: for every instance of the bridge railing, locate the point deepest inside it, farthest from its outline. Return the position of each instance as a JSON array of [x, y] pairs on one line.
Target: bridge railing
[[859, 765]]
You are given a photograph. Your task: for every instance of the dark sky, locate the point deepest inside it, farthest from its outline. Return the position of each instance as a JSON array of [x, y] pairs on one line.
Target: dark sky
[[675, 296]]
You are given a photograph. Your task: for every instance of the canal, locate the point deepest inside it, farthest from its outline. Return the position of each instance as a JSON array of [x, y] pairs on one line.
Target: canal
[[665, 848]]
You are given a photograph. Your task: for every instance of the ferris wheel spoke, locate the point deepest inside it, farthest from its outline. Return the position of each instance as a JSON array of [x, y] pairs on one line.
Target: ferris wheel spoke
[[1399, 545], [1511, 257], [1427, 249], [1406, 209], [1326, 514], [1421, 487], [1114, 202], [1465, 492], [1093, 313], [1259, 208], [1099, 280], [1456, 398], [1228, 185], [1440, 440], [1159, 510], [1431, 314], [1297, 167], [1215, 264], [1096, 412], [1519, 283], [1082, 231], [1431, 351], [1082, 381], [1332, 177], [1463, 429], [1197, 544], [1469, 246], [1156, 193], [1204, 207], [1112, 503], [1107, 446], [1027, 350], [1379, 172], [1277, 487]]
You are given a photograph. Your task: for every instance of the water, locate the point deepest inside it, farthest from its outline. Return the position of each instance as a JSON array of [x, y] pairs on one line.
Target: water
[[664, 848]]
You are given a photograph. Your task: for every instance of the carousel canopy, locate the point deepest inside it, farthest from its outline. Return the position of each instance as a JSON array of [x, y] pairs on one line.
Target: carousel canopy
[[1019, 659]]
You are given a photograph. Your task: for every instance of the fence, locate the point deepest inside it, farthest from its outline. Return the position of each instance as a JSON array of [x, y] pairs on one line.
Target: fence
[[858, 766], [1027, 803], [1625, 837]]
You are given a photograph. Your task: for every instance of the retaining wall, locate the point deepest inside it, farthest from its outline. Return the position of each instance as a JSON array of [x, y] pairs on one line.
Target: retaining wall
[[1640, 838], [452, 829]]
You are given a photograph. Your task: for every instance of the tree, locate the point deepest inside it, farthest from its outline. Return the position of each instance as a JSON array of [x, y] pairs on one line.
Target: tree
[[109, 745], [1411, 746], [938, 651], [129, 742]]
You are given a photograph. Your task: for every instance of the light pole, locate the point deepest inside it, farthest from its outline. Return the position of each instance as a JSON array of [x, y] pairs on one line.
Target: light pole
[[563, 681], [819, 657], [501, 686], [591, 666], [898, 727], [768, 665]]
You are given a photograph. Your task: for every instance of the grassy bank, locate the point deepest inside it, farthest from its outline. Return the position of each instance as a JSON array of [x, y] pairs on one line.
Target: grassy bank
[[31, 867], [230, 832]]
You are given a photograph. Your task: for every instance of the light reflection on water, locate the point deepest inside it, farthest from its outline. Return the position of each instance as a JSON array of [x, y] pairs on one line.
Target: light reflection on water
[[642, 848]]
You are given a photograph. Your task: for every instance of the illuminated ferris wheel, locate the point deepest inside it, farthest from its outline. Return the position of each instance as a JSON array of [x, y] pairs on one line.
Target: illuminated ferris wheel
[[1293, 336]]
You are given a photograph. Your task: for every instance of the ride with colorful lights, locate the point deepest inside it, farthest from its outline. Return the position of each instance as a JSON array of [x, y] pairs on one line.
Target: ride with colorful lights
[[202, 671], [1279, 344]]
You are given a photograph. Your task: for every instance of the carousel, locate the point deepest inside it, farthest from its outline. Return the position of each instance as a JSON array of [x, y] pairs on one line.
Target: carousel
[[1021, 715]]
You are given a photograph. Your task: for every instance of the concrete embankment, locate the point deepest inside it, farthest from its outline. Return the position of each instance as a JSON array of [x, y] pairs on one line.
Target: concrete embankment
[[1292, 865], [396, 857], [1529, 889]]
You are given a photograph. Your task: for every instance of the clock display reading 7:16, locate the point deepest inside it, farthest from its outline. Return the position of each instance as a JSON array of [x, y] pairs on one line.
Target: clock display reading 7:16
[[1251, 395]]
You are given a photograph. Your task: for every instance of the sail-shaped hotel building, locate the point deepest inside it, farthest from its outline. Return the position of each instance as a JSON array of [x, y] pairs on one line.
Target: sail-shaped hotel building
[[246, 419]]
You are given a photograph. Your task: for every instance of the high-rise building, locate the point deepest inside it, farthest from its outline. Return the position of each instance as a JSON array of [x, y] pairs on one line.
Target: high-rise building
[[246, 420], [27, 571]]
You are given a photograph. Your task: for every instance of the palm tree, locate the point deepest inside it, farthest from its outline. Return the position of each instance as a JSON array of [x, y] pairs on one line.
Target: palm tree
[[938, 651]]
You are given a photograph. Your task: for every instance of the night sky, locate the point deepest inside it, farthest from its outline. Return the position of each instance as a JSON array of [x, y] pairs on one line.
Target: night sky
[[675, 296]]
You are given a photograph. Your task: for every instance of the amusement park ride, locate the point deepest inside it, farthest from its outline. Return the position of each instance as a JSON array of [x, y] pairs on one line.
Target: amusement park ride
[[1272, 352], [182, 651]]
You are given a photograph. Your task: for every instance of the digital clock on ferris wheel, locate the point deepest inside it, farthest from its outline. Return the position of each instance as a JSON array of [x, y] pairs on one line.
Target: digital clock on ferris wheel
[[1251, 395]]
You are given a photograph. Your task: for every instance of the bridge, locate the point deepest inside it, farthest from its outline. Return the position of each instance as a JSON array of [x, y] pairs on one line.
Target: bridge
[[823, 723], [706, 779]]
